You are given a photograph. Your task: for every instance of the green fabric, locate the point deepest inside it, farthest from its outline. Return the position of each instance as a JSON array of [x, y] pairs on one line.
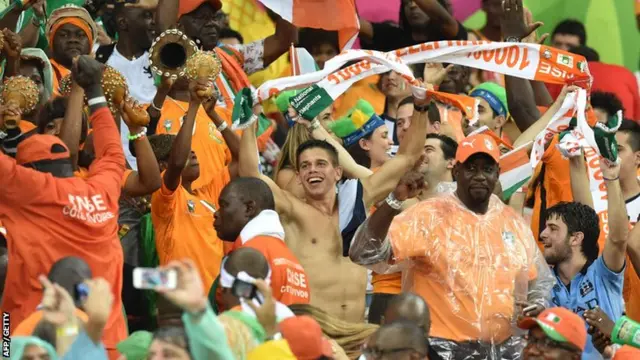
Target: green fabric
[[242, 115], [207, 338], [352, 121], [605, 135], [19, 343], [136, 346], [284, 99], [212, 295], [251, 322], [149, 258], [43, 42], [48, 71]]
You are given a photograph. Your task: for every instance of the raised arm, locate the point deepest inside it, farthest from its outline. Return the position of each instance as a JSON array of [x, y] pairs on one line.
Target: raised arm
[[615, 248], [440, 16], [248, 163], [279, 43], [532, 131], [147, 179], [166, 14], [71, 129], [382, 182], [231, 138], [181, 148], [580, 181]]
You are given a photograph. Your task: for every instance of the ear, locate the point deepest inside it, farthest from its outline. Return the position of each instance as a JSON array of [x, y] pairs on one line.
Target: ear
[[500, 120], [338, 172], [250, 208], [455, 169], [363, 144], [451, 163], [576, 239], [636, 158]]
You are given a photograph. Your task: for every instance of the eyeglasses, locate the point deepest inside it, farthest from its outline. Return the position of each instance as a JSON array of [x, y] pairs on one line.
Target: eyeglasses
[[548, 343], [372, 353]]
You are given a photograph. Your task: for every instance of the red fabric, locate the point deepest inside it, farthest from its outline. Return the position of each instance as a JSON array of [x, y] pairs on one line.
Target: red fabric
[[614, 79]]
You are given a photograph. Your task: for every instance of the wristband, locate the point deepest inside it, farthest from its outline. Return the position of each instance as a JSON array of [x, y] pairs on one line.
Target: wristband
[[97, 100], [65, 331], [614, 179], [139, 135], [223, 126], [154, 107], [626, 332], [394, 203]]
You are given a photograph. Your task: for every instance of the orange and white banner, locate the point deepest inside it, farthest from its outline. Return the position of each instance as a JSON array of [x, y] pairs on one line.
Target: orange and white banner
[[332, 15]]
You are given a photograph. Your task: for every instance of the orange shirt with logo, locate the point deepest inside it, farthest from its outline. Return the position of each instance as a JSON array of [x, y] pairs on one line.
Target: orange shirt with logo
[[50, 218], [468, 267], [184, 229], [289, 281]]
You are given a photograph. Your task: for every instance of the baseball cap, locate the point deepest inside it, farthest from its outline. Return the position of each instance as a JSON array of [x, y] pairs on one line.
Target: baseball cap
[[477, 144], [136, 346], [561, 325], [41, 147], [187, 6], [305, 338]]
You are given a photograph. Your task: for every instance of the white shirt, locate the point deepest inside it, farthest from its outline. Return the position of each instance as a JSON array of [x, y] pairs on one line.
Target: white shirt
[[139, 78], [633, 208]]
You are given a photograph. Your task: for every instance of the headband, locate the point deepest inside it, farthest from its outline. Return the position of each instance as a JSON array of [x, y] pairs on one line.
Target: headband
[[493, 100], [73, 21]]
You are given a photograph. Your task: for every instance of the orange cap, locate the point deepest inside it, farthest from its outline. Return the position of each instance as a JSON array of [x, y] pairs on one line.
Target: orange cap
[[41, 147], [187, 6], [627, 353], [477, 144], [561, 325], [305, 338]]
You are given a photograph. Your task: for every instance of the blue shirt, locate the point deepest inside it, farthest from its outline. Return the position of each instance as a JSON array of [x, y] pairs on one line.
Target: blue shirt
[[595, 285]]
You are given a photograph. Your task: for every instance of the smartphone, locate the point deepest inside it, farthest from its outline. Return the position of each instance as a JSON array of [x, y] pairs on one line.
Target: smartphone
[[81, 292], [152, 278], [243, 289]]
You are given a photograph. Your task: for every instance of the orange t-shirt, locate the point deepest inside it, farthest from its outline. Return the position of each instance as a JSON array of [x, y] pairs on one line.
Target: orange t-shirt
[[289, 281], [58, 217], [26, 126], [26, 327], [468, 267], [184, 229], [207, 142]]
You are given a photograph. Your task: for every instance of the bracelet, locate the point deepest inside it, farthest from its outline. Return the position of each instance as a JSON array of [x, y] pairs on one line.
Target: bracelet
[[139, 135], [394, 203], [315, 123], [153, 106], [67, 331], [614, 179], [97, 100], [223, 126]]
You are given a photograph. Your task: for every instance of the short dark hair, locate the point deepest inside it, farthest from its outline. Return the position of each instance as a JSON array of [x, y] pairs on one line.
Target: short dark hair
[[448, 146], [320, 144], [161, 145], [248, 260], [309, 37], [52, 109], [254, 189], [633, 129], [228, 33], [68, 272], [606, 101], [173, 335], [588, 53], [579, 218], [405, 101], [571, 27]]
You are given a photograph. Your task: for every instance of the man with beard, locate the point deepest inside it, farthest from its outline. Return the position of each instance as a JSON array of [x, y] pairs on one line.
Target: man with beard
[[71, 33], [458, 245], [203, 21], [584, 279]]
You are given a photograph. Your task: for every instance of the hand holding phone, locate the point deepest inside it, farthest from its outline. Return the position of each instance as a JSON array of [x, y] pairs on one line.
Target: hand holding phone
[[152, 278]]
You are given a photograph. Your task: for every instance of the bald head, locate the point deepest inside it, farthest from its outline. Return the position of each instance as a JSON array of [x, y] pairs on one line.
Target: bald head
[[248, 260], [409, 307], [252, 189], [69, 272], [403, 338]]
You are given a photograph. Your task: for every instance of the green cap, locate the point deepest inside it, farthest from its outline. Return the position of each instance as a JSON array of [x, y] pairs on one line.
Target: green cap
[[494, 94], [136, 346]]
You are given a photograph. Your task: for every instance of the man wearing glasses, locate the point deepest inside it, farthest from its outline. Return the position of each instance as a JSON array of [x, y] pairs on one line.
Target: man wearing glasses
[[556, 333]]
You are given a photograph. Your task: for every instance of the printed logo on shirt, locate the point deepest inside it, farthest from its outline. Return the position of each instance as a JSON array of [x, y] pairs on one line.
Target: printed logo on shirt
[[585, 288], [508, 238], [191, 206], [167, 125], [213, 133], [90, 209]]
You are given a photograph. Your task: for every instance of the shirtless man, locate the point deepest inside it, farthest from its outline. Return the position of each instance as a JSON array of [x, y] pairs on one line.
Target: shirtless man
[[315, 232]]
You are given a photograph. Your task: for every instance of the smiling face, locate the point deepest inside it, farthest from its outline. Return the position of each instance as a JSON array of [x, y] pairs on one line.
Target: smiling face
[[68, 42], [476, 178], [377, 146], [434, 165], [317, 172], [557, 242], [205, 24], [139, 24], [393, 85]]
